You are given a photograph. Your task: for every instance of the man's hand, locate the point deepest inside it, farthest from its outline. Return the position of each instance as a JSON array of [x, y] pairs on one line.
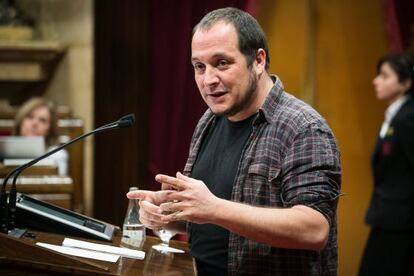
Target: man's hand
[[150, 213], [189, 200]]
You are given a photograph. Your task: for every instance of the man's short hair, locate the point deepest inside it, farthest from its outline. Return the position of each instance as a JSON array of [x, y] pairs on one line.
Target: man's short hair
[[250, 34]]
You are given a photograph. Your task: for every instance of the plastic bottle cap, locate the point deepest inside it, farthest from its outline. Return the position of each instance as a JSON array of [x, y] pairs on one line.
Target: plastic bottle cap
[[133, 189]]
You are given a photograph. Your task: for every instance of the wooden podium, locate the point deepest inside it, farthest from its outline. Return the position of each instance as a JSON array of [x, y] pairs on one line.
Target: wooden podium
[[24, 257]]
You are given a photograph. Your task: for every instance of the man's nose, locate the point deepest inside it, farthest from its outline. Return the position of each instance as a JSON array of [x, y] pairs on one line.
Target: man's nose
[[210, 76]]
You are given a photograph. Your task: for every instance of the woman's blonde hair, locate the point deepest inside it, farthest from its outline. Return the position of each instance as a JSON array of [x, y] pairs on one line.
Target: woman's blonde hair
[[28, 107]]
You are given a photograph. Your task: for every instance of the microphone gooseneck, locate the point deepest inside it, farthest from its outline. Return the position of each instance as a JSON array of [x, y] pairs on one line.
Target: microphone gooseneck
[[8, 207]]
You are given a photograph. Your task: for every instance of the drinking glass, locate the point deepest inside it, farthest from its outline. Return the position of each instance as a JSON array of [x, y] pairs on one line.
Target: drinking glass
[[165, 235], [157, 262]]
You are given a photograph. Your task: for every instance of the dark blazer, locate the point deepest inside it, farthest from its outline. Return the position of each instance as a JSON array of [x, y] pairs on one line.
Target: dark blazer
[[392, 203]]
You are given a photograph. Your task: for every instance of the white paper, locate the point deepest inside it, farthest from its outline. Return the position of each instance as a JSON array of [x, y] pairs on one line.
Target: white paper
[[164, 248], [126, 252], [81, 252]]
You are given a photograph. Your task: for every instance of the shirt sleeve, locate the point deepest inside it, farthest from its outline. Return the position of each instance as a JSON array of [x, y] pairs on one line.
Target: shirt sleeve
[[311, 171]]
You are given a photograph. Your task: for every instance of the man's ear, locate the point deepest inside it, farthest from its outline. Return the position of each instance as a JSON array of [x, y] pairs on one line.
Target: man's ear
[[407, 84], [260, 61]]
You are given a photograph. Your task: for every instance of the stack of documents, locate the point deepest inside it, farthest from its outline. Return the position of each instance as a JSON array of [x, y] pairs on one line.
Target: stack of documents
[[93, 250]]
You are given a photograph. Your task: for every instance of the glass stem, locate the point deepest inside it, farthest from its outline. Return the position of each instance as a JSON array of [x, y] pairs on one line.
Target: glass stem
[[166, 242]]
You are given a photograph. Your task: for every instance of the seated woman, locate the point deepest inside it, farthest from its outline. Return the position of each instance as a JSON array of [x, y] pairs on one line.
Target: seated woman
[[37, 117]]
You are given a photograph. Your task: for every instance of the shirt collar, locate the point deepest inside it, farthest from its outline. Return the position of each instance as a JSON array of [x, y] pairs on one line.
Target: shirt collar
[[269, 106], [394, 107]]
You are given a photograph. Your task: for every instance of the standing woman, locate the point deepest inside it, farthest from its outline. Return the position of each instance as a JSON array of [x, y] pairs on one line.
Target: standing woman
[[37, 117], [390, 246]]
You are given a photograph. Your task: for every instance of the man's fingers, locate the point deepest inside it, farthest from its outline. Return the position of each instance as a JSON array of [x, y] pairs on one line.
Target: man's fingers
[[173, 211], [152, 224], [175, 216], [150, 208], [183, 177], [175, 183], [150, 215], [165, 186], [157, 197], [140, 194], [167, 207]]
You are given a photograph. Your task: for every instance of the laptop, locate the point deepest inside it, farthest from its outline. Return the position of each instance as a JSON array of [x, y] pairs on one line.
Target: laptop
[[21, 147]]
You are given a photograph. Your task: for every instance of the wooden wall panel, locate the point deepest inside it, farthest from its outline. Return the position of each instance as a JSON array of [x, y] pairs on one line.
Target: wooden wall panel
[[284, 24], [349, 39]]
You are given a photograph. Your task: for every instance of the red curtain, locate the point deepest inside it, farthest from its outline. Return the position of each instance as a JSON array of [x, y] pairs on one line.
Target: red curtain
[[176, 104], [399, 17]]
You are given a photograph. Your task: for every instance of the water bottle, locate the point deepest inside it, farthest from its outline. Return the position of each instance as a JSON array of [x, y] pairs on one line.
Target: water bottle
[[133, 229]]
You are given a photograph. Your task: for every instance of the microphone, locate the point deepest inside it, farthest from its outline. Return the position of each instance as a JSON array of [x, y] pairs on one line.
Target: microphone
[[8, 201]]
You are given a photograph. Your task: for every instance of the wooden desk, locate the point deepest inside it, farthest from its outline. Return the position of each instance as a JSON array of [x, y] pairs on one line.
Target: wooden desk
[[34, 170], [23, 262]]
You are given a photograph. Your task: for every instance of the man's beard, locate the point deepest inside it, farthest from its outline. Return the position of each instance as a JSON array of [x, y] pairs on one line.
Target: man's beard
[[245, 100]]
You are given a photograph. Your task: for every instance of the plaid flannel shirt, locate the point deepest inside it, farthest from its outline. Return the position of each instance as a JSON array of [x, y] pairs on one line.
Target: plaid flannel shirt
[[290, 158]]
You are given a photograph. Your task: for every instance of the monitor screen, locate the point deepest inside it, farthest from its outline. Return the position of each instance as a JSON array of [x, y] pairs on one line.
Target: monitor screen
[[21, 147]]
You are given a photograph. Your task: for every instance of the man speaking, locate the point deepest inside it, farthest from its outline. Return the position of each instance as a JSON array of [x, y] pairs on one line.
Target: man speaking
[[259, 192]]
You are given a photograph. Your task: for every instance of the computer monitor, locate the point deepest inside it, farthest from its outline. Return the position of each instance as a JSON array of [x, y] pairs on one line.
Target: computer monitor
[[21, 147], [42, 216]]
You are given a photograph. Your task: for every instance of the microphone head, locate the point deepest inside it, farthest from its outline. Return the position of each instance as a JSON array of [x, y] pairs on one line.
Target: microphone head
[[126, 121]]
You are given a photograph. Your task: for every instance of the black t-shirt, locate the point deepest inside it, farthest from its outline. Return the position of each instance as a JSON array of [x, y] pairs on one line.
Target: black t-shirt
[[216, 166]]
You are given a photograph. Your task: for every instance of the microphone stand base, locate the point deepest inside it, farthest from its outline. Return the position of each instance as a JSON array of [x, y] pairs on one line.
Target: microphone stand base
[[17, 233]]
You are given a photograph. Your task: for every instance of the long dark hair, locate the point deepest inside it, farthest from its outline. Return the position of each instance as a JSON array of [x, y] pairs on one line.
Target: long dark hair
[[403, 65]]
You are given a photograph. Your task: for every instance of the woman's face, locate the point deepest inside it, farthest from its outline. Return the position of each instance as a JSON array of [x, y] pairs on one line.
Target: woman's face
[[37, 123], [387, 86]]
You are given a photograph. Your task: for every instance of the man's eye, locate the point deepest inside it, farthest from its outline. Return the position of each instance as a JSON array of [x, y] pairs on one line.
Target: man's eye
[[222, 63], [198, 67]]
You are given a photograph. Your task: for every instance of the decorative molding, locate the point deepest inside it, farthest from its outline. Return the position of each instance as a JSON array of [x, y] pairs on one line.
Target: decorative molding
[[29, 61]]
